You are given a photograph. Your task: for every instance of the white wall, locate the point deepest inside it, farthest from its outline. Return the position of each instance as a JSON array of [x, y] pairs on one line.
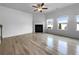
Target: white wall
[[38, 18], [70, 11], [15, 22]]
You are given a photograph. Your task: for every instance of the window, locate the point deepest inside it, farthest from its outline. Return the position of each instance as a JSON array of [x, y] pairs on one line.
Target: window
[[77, 17], [62, 22], [50, 24]]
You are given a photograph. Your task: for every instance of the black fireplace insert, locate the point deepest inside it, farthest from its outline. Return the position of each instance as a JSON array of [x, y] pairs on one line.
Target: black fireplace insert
[[38, 28]]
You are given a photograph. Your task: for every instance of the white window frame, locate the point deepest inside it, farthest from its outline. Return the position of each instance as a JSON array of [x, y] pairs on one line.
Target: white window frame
[[51, 25], [62, 22], [77, 23]]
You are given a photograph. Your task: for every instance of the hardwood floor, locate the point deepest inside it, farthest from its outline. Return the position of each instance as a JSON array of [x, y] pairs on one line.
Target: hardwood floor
[[39, 44]]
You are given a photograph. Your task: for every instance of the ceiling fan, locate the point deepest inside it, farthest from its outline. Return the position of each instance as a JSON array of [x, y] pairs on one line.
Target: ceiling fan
[[39, 7]]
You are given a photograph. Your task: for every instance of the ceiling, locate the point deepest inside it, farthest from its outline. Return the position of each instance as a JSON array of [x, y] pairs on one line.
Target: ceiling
[[27, 7]]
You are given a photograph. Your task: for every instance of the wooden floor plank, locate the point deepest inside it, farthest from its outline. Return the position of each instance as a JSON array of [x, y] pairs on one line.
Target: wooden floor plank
[[39, 44]]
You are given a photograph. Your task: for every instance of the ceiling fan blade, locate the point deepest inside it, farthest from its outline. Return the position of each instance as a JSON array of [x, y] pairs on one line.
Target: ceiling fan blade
[[44, 8], [42, 4], [38, 5], [40, 10], [35, 6]]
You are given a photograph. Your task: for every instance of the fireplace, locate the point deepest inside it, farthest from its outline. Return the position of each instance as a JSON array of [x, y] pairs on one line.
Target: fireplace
[[38, 28]]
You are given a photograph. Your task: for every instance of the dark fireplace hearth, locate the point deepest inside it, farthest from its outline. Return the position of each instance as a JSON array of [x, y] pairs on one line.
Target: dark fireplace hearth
[[38, 28]]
